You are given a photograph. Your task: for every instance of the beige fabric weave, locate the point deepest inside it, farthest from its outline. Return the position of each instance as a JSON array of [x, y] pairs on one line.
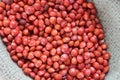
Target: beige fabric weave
[[109, 14]]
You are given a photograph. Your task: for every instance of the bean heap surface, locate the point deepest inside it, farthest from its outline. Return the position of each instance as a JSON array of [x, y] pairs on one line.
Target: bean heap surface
[[55, 39]]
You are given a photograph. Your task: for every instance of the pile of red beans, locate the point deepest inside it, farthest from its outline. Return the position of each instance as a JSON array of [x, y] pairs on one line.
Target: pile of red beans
[[55, 39]]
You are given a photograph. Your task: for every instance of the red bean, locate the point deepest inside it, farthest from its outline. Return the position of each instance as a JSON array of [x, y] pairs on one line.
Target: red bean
[[81, 30], [101, 67], [94, 39], [63, 72], [81, 66], [30, 55], [37, 6], [35, 31], [90, 5], [102, 76], [66, 3], [64, 57], [19, 49], [56, 65], [96, 31], [48, 29], [80, 1], [6, 22], [38, 63], [86, 16], [64, 48], [58, 76], [37, 77], [89, 44], [52, 13], [25, 32], [25, 66], [49, 61], [32, 18], [69, 77], [75, 6], [74, 61], [53, 20], [32, 43], [54, 32], [99, 26], [104, 46], [20, 63], [87, 55], [41, 72], [29, 9], [105, 63], [15, 58], [97, 53], [43, 58], [82, 44], [30, 2], [66, 39], [96, 65], [49, 46], [56, 39], [51, 70], [73, 72], [74, 52], [7, 31], [85, 38], [57, 27], [72, 15], [15, 32], [27, 71], [80, 75], [46, 75], [62, 66], [87, 72], [106, 69], [106, 56], [93, 70], [16, 7], [55, 58], [31, 65], [76, 44], [13, 24], [43, 41], [19, 55], [96, 76], [80, 59], [32, 74], [8, 1], [100, 60]]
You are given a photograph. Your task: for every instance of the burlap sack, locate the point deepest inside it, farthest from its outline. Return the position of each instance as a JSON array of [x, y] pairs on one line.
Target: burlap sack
[[109, 14]]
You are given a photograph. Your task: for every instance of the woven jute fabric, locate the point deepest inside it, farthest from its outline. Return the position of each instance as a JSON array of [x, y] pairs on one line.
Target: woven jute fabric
[[109, 15]]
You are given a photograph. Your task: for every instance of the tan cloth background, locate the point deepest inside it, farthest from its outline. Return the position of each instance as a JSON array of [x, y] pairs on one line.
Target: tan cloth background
[[109, 14]]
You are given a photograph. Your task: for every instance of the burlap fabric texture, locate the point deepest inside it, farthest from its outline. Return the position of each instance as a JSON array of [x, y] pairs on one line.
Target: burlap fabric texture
[[109, 14]]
